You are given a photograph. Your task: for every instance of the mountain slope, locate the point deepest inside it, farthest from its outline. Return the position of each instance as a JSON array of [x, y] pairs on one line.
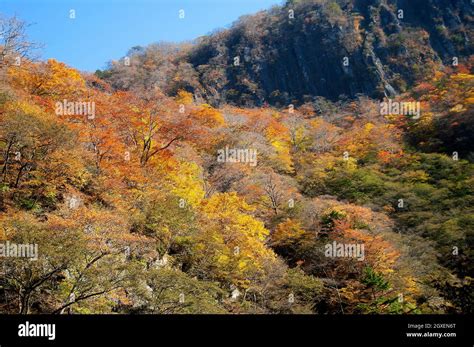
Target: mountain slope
[[291, 53]]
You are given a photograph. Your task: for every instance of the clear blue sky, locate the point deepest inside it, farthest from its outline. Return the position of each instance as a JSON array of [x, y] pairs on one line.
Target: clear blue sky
[[105, 29]]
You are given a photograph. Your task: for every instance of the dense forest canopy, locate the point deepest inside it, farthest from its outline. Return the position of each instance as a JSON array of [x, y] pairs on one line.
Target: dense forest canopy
[[250, 171]]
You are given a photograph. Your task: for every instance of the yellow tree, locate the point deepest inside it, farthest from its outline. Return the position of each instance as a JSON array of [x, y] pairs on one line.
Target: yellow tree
[[52, 79], [231, 245]]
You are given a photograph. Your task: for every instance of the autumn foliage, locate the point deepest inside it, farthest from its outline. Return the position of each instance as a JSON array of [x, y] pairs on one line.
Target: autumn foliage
[[133, 213]]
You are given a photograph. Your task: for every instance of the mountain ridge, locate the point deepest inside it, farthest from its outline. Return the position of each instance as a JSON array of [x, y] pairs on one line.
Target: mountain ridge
[[303, 49]]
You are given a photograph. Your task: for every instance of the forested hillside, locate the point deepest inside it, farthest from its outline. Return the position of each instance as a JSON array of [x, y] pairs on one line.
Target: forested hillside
[[177, 181], [293, 53]]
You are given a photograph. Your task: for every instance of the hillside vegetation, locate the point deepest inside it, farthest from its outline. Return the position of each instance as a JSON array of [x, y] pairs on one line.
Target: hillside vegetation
[[293, 53], [134, 211]]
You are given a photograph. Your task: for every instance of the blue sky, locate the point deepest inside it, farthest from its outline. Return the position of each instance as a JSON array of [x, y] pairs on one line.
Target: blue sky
[[105, 29]]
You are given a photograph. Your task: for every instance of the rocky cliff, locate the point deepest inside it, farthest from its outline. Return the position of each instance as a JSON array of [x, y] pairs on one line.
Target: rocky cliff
[[331, 49]]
